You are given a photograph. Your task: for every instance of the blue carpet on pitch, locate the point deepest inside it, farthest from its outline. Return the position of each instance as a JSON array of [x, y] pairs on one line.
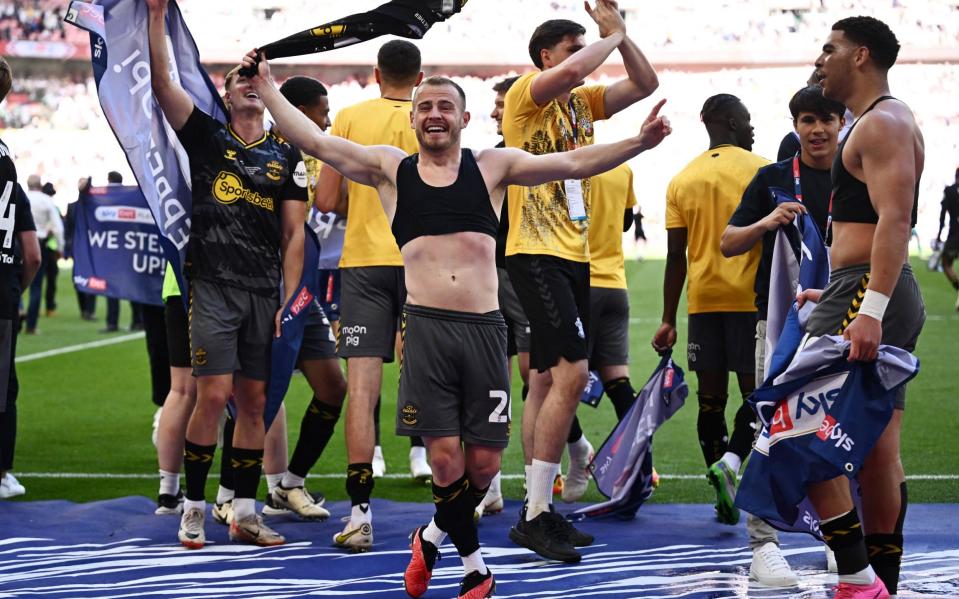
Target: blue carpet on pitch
[[119, 548]]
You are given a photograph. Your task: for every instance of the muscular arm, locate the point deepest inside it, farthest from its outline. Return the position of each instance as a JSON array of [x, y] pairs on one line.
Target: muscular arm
[[891, 173], [521, 168], [553, 83], [174, 101], [675, 275], [641, 82]]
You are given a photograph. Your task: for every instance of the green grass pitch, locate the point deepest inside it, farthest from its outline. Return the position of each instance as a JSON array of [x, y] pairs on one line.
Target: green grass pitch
[[89, 411]]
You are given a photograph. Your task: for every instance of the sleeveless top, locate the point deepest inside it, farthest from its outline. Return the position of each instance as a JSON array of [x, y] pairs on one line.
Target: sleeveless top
[[850, 202], [422, 209]]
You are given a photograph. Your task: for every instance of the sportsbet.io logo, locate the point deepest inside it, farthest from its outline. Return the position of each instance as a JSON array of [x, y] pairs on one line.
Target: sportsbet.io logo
[[227, 189]]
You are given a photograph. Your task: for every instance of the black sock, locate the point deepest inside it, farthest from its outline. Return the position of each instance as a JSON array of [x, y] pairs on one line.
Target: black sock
[[478, 495], [376, 421], [316, 429], [844, 537], [575, 431], [621, 393], [197, 460], [711, 427], [416, 442], [226, 456], [247, 467], [885, 557], [359, 482], [955, 285], [741, 441], [454, 514]]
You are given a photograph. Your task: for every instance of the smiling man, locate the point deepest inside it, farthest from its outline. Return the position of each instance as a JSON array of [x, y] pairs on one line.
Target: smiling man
[[817, 122], [442, 203], [247, 227], [875, 181]]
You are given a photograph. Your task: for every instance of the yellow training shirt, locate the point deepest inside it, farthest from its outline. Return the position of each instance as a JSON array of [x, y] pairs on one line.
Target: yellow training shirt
[[368, 239], [701, 198], [612, 194], [539, 216]]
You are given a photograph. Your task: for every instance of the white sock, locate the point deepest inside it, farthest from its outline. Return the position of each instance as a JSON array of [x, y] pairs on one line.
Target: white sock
[[243, 507], [417, 453], [223, 495], [169, 482], [291, 480], [733, 461], [579, 449], [864, 576], [528, 469], [494, 485], [540, 485], [474, 561], [189, 504], [434, 534], [272, 480], [357, 514]]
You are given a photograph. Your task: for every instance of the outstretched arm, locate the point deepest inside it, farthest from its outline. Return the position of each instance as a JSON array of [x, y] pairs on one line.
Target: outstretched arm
[[174, 101], [522, 168], [370, 165]]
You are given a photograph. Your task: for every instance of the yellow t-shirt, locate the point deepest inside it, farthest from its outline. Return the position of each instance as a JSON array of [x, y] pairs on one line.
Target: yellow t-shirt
[[539, 216], [612, 194], [701, 198], [368, 239]]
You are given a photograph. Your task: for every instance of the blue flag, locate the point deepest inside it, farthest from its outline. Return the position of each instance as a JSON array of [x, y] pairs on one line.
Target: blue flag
[[120, 50], [821, 418], [623, 466], [789, 274], [593, 391], [116, 247]]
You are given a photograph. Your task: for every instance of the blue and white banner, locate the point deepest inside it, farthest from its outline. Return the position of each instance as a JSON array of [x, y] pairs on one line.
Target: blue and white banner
[[286, 347], [120, 50], [623, 466], [116, 246], [593, 391], [821, 418], [789, 274], [330, 230]]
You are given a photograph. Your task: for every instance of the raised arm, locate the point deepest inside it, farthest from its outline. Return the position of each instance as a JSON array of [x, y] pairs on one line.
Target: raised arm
[[521, 168], [368, 165], [174, 101], [641, 78]]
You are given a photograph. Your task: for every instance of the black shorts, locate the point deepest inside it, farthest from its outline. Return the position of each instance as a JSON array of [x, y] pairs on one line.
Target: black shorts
[[901, 323], [177, 332], [517, 327], [608, 327], [454, 376], [723, 341], [373, 298], [950, 248], [330, 286], [231, 330], [318, 341], [554, 293]]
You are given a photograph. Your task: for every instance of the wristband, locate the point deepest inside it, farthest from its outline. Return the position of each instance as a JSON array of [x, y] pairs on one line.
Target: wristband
[[874, 304]]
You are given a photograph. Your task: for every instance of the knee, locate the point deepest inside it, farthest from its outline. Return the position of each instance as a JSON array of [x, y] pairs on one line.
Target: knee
[[482, 471], [571, 378]]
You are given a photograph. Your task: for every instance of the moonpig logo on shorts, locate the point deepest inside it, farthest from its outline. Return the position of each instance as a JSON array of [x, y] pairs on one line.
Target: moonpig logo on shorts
[[351, 335]]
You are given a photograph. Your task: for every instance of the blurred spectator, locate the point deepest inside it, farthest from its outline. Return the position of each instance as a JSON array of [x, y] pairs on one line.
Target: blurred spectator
[[50, 235], [87, 302]]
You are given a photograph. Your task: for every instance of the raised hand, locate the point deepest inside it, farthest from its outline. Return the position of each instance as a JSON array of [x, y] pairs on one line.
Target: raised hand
[[255, 62], [157, 5], [655, 128], [607, 17], [784, 214]]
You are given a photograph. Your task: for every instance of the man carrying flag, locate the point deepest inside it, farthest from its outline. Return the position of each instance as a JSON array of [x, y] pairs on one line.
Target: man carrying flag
[[247, 224], [798, 185]]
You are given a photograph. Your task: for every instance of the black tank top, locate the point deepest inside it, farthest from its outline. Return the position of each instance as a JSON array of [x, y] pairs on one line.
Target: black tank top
[[422, 209], [850, 201]]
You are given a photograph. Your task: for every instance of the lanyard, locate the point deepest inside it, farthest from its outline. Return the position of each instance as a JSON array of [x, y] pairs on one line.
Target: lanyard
[[798, 187], [573, 123]]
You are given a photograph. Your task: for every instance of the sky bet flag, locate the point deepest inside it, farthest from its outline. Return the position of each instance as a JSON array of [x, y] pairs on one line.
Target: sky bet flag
[[120, 50], [821, 418], [116, 248], [405, 18], [623, 466]]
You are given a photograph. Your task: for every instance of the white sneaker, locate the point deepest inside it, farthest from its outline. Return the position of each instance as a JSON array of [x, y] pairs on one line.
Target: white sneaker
[[156, 424], [299, 501], [191, 532], [831, 566], [769, 567], [379, 464], [577, 479], [419, 467], [492, 504], [11, 487], [223, 512], [358, 539]]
